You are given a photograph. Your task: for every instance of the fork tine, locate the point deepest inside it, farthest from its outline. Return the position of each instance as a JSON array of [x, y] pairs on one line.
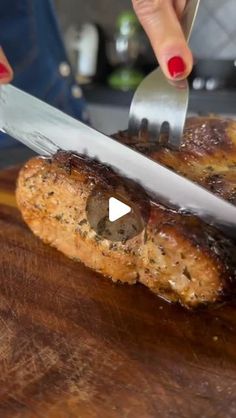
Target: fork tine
[[176, 125], [175, 135], [134, 126], [153, 132], [174, 140]]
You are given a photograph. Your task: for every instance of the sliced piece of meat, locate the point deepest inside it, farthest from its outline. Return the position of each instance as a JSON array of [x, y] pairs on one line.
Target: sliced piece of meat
[[177, 256]]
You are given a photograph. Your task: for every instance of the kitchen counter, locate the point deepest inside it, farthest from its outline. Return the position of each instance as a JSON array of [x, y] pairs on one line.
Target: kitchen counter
[[109, 113], [218, 101], [109, 109]]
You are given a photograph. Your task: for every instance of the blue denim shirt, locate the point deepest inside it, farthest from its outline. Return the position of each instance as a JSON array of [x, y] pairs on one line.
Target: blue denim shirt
[[31, 39]]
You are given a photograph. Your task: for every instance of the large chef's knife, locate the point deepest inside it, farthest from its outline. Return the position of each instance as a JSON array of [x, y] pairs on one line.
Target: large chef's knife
[[46, 130]]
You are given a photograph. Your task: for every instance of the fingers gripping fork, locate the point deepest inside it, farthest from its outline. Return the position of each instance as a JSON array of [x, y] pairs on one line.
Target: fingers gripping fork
[[159, 102]]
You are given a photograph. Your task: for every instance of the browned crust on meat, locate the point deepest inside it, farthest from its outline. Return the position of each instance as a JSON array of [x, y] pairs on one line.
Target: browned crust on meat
[[207, 155], [177, 256]]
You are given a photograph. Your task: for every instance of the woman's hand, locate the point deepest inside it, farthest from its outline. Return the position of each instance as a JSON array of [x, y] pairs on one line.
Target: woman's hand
[[161, 21], [6, 72]]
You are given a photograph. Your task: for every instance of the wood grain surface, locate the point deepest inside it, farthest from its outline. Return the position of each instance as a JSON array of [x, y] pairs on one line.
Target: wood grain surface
[[75, 345]]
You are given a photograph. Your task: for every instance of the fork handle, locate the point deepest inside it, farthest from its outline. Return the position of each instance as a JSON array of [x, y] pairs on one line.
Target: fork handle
[[189, 16]]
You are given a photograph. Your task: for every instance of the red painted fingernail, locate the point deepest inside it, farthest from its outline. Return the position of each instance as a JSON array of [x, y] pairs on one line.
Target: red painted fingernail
[[4, 71], [176, 67]]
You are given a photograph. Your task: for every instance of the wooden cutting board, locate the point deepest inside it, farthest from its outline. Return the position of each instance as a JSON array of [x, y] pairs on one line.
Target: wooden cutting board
[[75, 345]]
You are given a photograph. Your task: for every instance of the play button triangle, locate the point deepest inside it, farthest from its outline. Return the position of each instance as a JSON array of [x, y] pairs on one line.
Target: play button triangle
[[117, 209]]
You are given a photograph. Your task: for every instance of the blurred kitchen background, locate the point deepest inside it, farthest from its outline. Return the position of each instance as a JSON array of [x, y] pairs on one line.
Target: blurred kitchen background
[[109, 72], [109, 54]]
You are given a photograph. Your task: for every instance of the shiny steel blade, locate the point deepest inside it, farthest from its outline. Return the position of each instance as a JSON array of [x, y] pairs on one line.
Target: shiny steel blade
[[46, 129]]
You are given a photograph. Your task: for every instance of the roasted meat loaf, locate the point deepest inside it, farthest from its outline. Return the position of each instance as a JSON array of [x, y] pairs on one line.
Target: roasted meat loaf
[[177, 256]]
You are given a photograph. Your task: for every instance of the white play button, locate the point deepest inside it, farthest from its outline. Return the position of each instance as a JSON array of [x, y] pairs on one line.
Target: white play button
[[117, 209], [117, 215]]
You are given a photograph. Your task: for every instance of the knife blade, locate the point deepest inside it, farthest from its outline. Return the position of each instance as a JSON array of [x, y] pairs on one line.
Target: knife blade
[[46, 130]]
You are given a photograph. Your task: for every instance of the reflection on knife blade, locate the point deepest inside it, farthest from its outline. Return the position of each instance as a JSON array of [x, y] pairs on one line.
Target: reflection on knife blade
[[22, 115]]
